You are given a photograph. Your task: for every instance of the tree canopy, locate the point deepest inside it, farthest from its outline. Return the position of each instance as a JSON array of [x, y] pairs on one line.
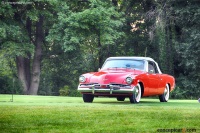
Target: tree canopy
[[45, 45]]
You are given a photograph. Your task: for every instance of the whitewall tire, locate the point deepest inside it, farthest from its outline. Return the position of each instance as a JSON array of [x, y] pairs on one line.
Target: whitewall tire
[[165, 96], [135, 98]]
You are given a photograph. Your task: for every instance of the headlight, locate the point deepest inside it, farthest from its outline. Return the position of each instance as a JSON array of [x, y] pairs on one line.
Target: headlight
[[82, 79], [129, 80]]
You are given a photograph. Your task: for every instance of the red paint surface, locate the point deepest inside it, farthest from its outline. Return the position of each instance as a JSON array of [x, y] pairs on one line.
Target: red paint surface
[[154, 84]]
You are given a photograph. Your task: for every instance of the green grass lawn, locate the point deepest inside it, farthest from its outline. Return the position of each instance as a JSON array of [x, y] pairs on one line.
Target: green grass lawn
[[70, 114]]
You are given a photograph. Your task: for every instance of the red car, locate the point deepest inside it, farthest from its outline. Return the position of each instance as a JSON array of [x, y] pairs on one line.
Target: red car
[[127, 77]]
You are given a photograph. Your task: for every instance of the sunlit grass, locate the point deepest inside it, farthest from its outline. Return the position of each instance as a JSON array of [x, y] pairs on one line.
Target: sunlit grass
[[70, 114]]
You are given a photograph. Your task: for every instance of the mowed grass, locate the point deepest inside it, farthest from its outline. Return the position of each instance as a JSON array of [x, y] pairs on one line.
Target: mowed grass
[[53, 114]]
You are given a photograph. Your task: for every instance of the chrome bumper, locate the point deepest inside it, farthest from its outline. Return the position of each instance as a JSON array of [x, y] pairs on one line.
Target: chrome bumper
[[111, 89]]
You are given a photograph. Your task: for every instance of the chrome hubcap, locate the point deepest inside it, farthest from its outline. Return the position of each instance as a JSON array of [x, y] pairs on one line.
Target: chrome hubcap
[[137, 93], [166, 93]]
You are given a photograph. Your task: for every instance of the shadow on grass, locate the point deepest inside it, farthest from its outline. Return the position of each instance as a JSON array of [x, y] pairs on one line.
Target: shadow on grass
[[127, 102], [151, 102]]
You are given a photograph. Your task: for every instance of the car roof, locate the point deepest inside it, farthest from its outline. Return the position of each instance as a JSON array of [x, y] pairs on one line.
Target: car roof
[[131, 57]]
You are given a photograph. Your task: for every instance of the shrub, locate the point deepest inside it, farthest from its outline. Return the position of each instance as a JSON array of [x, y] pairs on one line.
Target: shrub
[[64, 91]]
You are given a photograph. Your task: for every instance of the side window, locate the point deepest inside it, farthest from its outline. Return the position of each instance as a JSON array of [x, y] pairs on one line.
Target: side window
[[152, 68]]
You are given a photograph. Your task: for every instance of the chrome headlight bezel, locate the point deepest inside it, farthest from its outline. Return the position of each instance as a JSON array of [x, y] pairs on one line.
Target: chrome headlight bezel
[[129, 80], [82, 79]]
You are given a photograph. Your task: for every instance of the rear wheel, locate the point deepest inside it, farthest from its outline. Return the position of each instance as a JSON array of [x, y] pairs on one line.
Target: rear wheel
[[165, 96], [88, 98], [135, 98], [120, 98]]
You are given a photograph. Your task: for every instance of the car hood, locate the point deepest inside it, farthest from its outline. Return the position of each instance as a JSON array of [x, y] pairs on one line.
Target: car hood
[[111, 76]]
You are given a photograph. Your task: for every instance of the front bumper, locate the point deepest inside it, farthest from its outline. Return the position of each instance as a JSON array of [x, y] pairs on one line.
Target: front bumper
[[110, 89]]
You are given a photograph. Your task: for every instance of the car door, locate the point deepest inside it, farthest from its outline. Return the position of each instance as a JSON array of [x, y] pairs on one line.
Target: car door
[[153, 78]]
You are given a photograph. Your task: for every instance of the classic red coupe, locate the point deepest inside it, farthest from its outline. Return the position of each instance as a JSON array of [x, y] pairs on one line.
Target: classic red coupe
[[131, 77]]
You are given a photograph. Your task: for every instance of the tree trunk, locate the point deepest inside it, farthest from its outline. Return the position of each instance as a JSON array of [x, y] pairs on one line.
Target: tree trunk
[[30, 78], [37, 58], [100, 50], [22, 73]]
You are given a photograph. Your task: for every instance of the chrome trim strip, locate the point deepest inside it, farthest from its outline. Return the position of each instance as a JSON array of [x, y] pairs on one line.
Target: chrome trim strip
[[111, 90]]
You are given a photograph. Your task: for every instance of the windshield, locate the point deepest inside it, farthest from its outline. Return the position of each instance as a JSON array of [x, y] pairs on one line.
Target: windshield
[[124, 63]]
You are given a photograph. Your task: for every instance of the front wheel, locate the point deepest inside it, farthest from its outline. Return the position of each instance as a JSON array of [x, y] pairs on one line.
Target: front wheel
[[88, 98], [165, 96], [135, 98]]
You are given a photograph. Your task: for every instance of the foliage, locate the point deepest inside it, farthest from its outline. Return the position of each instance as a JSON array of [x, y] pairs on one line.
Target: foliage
[[90, 30], [188, 47], [80, 35], [23, 31], [69, 114], [64, 91], [73, 34]]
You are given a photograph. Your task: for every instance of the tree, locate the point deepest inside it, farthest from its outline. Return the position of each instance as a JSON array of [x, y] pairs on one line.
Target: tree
[[23, 31], [53, 42], [92, 29], [162, 34], [136, 41], [188, 47]]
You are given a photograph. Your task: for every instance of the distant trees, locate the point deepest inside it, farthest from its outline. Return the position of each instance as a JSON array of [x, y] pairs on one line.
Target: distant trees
[[187, 42], [47, 44]]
